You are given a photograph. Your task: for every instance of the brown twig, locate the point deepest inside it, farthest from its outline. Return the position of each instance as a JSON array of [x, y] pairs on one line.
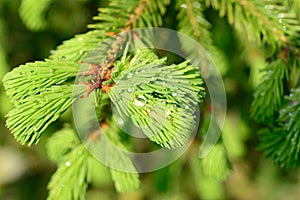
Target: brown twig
[[102, 72]]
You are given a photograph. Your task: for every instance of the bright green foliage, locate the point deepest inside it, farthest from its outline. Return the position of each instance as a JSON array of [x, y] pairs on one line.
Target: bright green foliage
[[160, 105], [216, 164], [77, 48], [247, 16], [61, 143], [71, 179], [39, 97], [32, 78], [31, 117], [159, 98], [33, 13], [192, 21], [148, 14], [124, 180], [268, 95]]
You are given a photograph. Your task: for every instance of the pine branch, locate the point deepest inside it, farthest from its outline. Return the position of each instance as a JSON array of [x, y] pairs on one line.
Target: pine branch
[[193, 23], [29, 119], [32, 78], [132, 14], [277, 27], [268, 95], [61, 143], [216, 164], [160, 105], [32, 12], [282, 143], [70, 181], [123, 171]]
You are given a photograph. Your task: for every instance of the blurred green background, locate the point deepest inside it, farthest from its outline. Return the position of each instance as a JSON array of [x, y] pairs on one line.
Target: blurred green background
[[25, 172]]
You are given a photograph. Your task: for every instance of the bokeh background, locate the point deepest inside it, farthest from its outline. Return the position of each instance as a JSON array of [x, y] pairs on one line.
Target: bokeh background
[[25, 171]]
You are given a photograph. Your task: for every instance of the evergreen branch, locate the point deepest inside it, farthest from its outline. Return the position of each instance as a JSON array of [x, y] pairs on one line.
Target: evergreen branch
[[110, 141], [30, 118], [124, 181], [268, 95], [158, 98], [102, 102], [132, 14], [61, 143], [193, 23], [216, 164], [282, 143], [281, 146], [32, 13], [71, 179], [290, 113], [277, 27], [32, 78], [77, 48]]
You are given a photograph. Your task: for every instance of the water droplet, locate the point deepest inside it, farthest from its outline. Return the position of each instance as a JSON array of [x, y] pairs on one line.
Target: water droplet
[[120, 121], [140, 101], [174, 94], [80, 39], [80, 52], [34, 128], [68, 163], [152, 78], [186, 107], [129, 75], [51, 71], [63, 57], [168, 112], [130, 90], [143, 71], [183, 5]]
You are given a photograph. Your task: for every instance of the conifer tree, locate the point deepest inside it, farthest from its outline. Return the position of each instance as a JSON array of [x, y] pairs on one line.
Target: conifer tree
[[153, 89]]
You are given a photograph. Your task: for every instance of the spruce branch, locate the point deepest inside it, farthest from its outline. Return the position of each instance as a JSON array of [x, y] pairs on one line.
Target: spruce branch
[[216, 164], [282, 143], [61, 143], [32, 78], [77, 48], [268, 94], [193, 23], [29, 119], [128, 178], [290, 114], [158, 98], [71, 179], [277, 27], [32, 12]]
